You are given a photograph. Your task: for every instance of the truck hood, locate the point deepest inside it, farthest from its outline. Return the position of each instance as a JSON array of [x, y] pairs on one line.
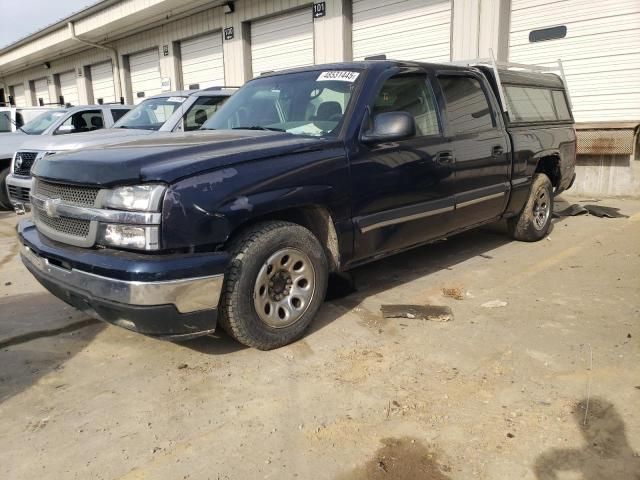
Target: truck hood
[[167, 157], [11, 142], [75, 141]]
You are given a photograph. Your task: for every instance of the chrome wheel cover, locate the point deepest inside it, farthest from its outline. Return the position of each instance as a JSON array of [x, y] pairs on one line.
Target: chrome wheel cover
[[284, 288], [541, 209]]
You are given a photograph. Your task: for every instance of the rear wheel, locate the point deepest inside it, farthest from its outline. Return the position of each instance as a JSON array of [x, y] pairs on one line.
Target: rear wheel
[[275, 285], [5, 204], [535, 218]]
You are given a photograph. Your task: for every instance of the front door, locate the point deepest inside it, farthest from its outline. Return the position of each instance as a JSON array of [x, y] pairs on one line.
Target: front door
[[402, 191], [480, 147]]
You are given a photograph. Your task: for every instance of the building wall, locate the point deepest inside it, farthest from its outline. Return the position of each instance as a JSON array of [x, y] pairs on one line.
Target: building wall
[[600, 51]]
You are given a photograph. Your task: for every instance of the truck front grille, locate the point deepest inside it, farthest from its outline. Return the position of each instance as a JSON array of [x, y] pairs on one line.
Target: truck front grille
[[23, 163], [66, 226], [85, 196], [19, 194], [65, 229]]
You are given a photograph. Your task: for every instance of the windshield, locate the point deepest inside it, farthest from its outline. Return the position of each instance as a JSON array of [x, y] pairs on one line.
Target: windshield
[[42, 122], [150, 114], [307, 103], [5, 122]]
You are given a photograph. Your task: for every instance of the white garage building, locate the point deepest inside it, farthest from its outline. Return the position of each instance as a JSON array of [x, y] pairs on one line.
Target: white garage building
[[137, 48]]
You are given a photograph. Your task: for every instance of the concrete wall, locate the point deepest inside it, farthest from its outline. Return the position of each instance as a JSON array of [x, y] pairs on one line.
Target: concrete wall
[[607, 176]]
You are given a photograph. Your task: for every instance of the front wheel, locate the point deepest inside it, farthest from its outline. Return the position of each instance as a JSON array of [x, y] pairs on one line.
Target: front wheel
[[274, 286], [535, 218]]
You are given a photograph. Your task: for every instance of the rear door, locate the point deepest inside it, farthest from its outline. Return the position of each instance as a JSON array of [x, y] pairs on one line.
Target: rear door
[[282, 41], [403, 191], [144, 69], [481, 153], [69, 87]]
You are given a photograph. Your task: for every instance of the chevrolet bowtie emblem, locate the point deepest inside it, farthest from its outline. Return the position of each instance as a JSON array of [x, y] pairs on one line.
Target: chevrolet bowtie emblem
[[51, 207]]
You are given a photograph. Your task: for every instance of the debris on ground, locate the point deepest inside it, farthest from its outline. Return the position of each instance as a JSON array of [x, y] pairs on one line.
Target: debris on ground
[[6, 284], [494, 304], [453, 292], [595, 210], [571, 211], [436, 313], [182, 366], [608, 212], [488, 257]]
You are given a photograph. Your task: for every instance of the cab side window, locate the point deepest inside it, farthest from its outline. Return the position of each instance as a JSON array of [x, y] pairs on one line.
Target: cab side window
[[468, 110], [118, 113], [411, 94], [80, 122], [201, 111]]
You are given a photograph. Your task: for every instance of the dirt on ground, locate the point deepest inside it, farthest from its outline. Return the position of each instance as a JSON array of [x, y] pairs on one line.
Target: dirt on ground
[[535, 377]]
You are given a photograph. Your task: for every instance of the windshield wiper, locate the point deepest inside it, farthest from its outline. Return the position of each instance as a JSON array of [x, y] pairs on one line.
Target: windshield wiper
[[259, 127]]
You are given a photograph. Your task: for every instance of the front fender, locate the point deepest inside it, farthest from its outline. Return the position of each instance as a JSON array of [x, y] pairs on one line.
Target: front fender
[[205, 210]]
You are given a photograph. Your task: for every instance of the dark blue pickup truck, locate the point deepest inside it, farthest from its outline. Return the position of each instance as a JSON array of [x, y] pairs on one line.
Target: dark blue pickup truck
[[299, 174]]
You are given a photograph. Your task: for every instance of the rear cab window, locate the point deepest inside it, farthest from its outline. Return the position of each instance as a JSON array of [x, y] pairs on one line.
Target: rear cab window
[[536, 104]]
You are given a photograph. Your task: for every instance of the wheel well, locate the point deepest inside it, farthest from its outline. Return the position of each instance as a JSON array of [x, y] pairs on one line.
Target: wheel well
[[550, 166], [5, 163], [317, 219]]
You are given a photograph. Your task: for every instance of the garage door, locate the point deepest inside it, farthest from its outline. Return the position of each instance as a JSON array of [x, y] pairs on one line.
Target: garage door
[[69, 87], [283, 41], [102, 83], [18, 95], [598, 44], [202, 62], [42, 91], [402, 29], [144, 69]]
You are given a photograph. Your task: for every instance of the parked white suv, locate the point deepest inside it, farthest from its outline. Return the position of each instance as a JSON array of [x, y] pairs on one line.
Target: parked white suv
[[51, 123], [167, 112]]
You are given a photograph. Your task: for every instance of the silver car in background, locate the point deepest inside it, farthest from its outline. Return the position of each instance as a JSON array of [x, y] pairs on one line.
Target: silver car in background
[[178, 111], [57, 122]]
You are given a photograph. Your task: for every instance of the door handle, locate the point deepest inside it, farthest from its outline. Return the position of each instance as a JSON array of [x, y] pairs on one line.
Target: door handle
[[497, 151], [444, 158]]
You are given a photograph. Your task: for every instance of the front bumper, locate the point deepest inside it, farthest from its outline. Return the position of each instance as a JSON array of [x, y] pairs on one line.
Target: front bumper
[[149, 294], [19, 189]]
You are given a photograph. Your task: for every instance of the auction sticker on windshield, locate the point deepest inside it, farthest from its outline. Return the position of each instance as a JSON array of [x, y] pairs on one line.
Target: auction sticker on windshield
[[342, 76], [176, 99]]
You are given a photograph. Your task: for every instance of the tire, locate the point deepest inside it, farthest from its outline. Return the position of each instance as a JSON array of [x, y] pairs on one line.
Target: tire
[[276, 268], [532, 224], [5, 204]]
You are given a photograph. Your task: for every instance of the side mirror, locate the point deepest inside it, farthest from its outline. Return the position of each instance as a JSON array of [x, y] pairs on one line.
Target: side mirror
[[63, 129], [390, 127]]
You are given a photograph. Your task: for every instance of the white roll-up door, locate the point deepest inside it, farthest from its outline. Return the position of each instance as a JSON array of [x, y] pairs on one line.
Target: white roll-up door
[[202, 61], [69, 87], [417, 30], [144, 69], [281, 42], [41, 88], [18, 95], [102, 83], [600, 51]]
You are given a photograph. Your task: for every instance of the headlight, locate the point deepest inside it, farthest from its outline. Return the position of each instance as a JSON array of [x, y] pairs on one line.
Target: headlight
[[144, 198], [129, 236]]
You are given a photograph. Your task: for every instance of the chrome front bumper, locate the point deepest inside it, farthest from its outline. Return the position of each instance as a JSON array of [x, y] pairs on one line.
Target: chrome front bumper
[[187, 295]]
